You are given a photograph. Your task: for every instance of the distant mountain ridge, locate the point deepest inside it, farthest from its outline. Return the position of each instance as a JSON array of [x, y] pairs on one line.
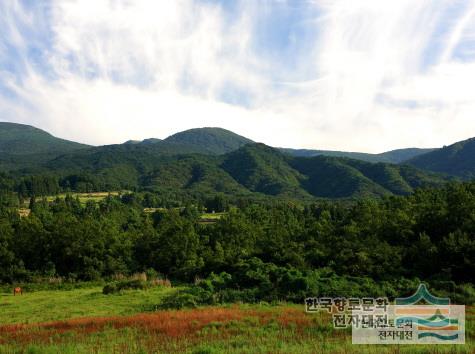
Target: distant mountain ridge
[[220, 141], [215, 159], [22, 146], [21, 139], [216, 141], [457, 160], [254, 169], [394, 156]]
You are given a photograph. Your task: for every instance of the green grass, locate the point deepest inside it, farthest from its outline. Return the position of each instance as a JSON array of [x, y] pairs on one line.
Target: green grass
[[127, 323], [214, 216], [83, 197], [42, 306]]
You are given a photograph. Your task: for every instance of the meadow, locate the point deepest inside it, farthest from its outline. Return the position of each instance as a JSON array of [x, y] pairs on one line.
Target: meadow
[[83, 197], [84, 320], [95, 274]]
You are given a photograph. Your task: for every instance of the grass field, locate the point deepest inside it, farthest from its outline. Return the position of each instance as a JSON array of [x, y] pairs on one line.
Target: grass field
[[83, 197], [211, 218], [42, 306], [86, 321], [215, 216]]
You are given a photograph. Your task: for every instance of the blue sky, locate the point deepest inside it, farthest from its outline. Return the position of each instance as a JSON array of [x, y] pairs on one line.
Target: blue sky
[[363, 75]]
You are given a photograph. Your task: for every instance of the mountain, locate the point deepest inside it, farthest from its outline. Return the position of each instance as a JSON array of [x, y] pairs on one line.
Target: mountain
[[394, 156], [192, 174], [257, 168], [206, 161], [144, 142], [132, 142], [20, 139], [456, 160], [138, 155], [24, 146], [266, 170], [333, 177], [254, 169], [151, 141], [214, 141], [402, 155]]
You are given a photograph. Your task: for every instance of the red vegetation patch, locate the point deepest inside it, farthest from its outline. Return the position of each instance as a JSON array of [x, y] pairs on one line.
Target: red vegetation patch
[[171, 325]]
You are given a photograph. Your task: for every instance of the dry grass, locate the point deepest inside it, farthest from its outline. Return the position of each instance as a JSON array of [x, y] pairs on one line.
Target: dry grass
[[161, 282]]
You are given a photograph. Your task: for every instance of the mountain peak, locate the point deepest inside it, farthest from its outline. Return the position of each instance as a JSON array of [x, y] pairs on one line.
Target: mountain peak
[[25, 139], [209, 140], [457, 159]]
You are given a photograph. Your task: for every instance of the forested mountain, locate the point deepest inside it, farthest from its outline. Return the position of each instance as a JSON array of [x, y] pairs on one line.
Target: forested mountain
[[342, 177], [23, 146], [394, 156], [263, 169], [253, 170], [209, 140], [19, 139], [457, 160], [144, 142], [207, 161], [266, 170]]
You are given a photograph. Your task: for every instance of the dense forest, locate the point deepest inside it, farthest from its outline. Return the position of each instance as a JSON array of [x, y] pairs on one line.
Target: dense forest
[[254, 170], [296, 222], [266, 249]]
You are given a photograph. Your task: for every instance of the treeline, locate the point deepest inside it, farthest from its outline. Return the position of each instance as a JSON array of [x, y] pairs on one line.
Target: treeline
[[15, 191], [48, 184], [428, 235]]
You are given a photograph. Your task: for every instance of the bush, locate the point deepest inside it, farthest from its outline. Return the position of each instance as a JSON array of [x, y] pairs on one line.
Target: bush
[[215, 282], [125, 285], [109, 289], [235, 295], [189, 298], [180, 300]]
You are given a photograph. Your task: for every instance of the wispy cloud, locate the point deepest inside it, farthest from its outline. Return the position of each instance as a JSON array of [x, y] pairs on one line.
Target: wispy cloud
[[353, 75]]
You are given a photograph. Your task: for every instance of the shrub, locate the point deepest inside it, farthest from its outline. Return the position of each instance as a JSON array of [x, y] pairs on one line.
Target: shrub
[[189, 298], [235, 295], [180, 300], [151, 273], [135, 284], [124, 285], [109, 289]]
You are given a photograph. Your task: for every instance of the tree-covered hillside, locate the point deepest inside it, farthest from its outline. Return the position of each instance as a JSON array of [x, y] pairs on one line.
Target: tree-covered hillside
[[19, 139], [266, 170], [209, 161], [254, 170], [24, 146], [393, 156], [456, 160], [209, 140]]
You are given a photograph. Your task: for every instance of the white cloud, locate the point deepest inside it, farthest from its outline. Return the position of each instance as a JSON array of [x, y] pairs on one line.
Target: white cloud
[[115, 70]]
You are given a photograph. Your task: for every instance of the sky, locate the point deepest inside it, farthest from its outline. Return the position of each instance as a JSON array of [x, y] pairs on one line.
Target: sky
[[366, 75]]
